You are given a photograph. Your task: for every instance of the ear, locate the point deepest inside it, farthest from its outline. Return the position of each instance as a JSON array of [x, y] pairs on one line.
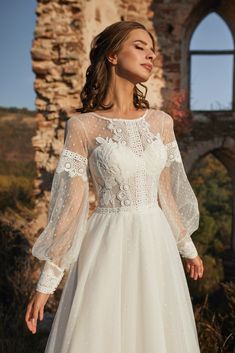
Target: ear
[[112, 58]]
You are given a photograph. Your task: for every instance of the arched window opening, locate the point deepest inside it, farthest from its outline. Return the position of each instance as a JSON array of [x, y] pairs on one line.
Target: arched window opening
[[211, 56]]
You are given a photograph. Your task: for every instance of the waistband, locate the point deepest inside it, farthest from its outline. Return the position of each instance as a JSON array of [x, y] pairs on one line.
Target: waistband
[[126, 209]]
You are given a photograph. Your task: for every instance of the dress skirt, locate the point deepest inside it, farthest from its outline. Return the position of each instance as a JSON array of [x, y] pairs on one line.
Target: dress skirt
[[127, 292]]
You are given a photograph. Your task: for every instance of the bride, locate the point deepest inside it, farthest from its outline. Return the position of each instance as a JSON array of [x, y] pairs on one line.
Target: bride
[[126, 290]]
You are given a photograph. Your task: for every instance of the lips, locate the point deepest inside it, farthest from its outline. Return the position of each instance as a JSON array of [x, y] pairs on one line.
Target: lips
[[148, 66]]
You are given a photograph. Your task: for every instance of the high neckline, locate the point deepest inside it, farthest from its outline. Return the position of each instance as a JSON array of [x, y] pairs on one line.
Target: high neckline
[[122, 119]]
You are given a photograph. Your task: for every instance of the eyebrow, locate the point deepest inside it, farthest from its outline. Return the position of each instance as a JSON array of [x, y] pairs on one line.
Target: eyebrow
[[142, 41]]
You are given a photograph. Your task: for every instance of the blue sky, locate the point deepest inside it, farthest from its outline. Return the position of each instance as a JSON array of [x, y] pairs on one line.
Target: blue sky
[[211, 76], [17, 22]]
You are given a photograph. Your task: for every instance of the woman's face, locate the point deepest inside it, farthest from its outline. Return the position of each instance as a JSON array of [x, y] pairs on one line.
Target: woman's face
[[134, 61]]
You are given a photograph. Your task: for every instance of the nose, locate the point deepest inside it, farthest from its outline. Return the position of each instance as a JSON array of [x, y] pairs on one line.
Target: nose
[[151, 55]]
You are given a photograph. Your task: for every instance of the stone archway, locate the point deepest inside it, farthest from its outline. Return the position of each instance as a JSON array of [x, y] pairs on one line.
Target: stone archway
[[213, 132]]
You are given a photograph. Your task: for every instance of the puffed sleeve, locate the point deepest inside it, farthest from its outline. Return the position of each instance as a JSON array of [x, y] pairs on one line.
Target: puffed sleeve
[[59, 244], [176, 196]]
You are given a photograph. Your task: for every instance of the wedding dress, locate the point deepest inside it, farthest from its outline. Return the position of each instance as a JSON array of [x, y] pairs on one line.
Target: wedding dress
[[126, 290]]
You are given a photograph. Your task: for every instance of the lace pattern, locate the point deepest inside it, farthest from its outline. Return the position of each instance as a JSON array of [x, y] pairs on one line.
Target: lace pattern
[[135, 208], [50, 278], [173, 153], [187, 248], [73, 163], [59, 243], [125, 165], [134, 165]]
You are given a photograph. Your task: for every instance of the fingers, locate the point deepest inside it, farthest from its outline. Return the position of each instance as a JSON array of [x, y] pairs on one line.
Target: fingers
[[34, 319], [41, 313], [27, 315], [188, 267], [31, 316], [201, 270], [196, 270], [192, 271]]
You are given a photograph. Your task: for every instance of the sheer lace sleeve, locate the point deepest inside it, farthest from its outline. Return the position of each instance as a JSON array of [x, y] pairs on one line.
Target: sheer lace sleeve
[[176, 196], [60, 242]]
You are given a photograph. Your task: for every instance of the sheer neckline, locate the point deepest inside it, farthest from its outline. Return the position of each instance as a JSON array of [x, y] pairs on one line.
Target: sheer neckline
[[122, 119]]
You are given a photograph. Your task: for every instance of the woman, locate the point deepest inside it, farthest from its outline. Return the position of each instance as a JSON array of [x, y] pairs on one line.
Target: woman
[[126, 290]]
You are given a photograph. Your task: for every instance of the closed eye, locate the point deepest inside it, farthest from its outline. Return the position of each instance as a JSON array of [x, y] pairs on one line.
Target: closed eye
[[139, 47]]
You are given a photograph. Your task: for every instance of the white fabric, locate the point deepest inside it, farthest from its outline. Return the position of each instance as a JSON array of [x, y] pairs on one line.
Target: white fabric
[[176, 196], [60, 242], [126, 290]]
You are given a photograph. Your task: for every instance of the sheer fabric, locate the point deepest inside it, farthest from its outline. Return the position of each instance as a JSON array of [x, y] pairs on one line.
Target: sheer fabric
[[60, 242], [133, 164], [176, 196]]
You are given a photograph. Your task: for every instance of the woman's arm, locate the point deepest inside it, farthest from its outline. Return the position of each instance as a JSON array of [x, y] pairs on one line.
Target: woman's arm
[[59, 244], [176, 196]]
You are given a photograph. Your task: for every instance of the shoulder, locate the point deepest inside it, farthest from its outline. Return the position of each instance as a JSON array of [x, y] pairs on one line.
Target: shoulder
[[77, 121], [164, 116], [75, 126]]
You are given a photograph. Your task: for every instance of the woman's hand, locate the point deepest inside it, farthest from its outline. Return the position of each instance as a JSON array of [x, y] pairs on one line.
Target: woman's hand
[[195, 267], [35, 308]]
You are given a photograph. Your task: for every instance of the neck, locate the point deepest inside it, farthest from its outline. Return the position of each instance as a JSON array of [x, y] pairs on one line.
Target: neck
[[120, 94]]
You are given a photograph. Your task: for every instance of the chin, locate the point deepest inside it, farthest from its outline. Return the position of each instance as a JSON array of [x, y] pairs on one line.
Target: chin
[[143, 79], [139, 78]]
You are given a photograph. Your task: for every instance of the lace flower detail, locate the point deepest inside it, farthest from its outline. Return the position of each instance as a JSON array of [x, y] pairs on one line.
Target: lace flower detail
[[119, 134], [115, 163], [173, 153], [114, 160], [73, 163]]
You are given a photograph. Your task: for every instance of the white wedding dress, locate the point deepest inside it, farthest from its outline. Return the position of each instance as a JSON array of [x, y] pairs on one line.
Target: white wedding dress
[[126, 290]]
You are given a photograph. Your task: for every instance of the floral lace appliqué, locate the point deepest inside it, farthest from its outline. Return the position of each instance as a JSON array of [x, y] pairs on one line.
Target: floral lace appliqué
[[115, 162], [118, 163], [173, 153], [73, 163]]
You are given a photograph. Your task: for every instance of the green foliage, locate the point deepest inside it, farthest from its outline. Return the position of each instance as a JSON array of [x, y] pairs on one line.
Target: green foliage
[[15, 189], [7, 110], [26, 169], [213, 275], [215, 319], [213, 189]]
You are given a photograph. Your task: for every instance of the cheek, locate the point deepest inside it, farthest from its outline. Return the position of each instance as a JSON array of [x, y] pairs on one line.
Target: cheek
[[129, 58]]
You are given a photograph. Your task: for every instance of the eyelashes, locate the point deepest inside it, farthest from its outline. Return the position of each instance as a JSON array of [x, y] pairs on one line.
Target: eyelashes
[[139, 47]]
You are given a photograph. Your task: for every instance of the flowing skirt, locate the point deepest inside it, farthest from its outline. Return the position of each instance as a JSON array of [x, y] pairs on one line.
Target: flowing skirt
[[127, 292]]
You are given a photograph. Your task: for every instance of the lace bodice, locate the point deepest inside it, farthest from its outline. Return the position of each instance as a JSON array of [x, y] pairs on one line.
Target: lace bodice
[[125, 164], [133, 164]]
